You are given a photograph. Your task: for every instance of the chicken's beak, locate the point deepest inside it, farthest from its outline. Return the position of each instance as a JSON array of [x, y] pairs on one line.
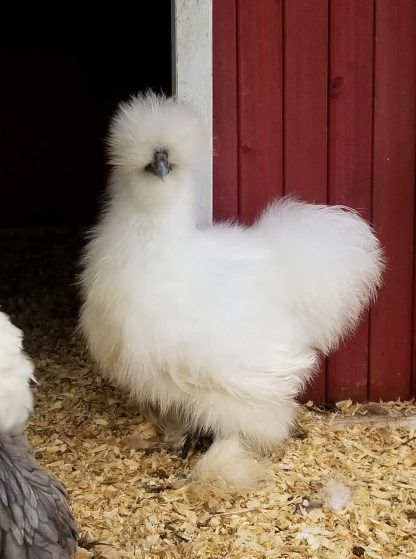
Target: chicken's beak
[[161, 166]]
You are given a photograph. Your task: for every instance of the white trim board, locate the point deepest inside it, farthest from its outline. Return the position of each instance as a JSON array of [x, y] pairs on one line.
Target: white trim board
[[192, 77]]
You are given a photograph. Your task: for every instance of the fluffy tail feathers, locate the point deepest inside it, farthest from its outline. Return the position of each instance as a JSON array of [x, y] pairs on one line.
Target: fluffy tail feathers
[[333, 261]]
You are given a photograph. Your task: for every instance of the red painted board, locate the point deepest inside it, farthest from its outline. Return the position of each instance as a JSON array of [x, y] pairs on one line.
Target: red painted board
[[393, 196], [259, 32], [305, 46], [225, 109], [414, 315], [350, 161], [305, 98]]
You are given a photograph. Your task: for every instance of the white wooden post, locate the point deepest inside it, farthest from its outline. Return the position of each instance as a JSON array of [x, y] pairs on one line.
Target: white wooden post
[[192, 77]]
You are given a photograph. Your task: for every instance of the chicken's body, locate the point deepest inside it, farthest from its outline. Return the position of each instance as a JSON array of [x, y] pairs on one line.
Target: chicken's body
[[35, 518], [221, 325]]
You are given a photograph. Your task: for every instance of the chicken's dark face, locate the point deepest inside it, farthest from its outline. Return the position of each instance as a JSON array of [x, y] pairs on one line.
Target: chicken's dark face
[[160, 164], [156, 146]]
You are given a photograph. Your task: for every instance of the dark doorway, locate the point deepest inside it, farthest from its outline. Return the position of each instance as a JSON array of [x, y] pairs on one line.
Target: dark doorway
[[62, 77]]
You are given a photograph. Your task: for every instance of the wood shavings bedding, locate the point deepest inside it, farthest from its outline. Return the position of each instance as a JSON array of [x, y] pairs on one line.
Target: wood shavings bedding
[[125, 500]]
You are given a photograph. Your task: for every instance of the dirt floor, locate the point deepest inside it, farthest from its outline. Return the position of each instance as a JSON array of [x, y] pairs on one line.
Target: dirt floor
[[344, 487]]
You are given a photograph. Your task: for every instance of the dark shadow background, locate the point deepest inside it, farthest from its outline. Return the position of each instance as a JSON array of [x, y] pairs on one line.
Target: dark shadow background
[[62, 76]]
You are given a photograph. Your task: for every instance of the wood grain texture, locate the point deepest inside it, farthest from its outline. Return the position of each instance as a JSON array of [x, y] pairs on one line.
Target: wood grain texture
[[318, 99], [350, 160], [393, 196], [225, 194], [305, 98], [259, 31]]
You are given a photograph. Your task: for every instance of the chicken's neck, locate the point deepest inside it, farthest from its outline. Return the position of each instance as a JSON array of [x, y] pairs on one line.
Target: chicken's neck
[[172, 220]]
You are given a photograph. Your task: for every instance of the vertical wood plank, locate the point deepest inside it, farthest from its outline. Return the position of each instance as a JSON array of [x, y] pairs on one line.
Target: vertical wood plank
[[350, 160], [305, 48], [259, 32], [414, 314], [305, 98], [393, 195], [192, 79], [225, 109]]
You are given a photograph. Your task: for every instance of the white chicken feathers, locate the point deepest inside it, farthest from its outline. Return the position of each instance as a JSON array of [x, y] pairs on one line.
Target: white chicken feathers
[[223, 325], [16, 370]]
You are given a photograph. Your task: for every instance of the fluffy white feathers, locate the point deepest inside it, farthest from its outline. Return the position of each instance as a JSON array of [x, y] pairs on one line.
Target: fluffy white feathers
[[222, 325], [337, 495], [227, 460], [16, 370]]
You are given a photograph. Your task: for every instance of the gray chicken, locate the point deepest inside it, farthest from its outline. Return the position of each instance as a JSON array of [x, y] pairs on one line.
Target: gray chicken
[[35, 518]]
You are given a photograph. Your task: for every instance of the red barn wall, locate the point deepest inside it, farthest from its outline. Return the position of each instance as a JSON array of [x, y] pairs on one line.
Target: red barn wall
[[318, 99]]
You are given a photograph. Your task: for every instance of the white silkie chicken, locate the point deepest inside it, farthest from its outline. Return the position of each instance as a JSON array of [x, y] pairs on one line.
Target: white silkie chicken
[[35, 518], [218, 328], [16, 371]]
